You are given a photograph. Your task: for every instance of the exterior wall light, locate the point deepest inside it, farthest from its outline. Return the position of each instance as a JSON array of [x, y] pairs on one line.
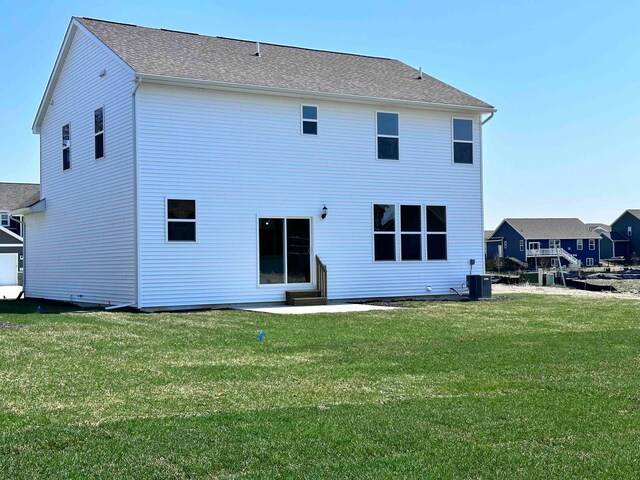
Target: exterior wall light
[[324, 212]]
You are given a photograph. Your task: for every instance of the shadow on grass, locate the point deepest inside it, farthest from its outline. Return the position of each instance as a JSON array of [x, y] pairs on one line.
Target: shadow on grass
[[45, 307]]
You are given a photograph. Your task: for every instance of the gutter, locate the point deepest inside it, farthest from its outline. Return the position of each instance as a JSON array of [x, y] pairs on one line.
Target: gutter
[[292, 92]]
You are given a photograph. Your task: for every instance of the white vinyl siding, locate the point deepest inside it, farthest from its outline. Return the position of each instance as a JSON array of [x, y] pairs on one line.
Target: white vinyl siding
[[273, 173], [82, 248]]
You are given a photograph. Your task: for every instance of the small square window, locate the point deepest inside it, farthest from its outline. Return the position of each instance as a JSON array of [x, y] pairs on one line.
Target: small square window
[[181, 220], [309, 120]]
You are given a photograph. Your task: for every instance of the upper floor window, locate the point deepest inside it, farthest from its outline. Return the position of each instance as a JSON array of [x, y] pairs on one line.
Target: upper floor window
[[98, 132], [522, 245], [436, 233], [181, 220], [384, 233], [309, 120], [5, 221], [580, 244], [66, 147], [554, 243], [592, 244], [629, 231], [462, 141], [388, 139]]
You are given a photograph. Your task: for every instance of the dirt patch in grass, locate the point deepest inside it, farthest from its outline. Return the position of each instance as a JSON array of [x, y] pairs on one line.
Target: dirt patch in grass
[[9, 325]]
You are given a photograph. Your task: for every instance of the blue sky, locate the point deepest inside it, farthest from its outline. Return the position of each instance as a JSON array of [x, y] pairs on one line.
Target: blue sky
[[565, 77]]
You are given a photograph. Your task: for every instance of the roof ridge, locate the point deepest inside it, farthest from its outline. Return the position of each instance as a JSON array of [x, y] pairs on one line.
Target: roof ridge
[[243, 40]]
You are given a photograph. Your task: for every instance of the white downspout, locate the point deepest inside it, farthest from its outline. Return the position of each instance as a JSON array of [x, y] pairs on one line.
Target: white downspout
[[138, 81]]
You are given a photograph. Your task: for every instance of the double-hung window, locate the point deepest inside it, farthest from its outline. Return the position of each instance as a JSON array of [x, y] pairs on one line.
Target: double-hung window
[[410, 232], [629, 231], [181, 220], [436, 233], [66, 147], [554, 243], [309, 120], [462, 141], [388, 136], [580, 244], [384, 233], [98, 133], [592, 244], [5, 221]]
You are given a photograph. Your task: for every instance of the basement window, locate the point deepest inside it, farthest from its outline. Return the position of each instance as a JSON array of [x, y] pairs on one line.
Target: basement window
[[66, 147], [410, 232], [589, 262], [436, 232], [181, 220], [98, 129], [309, 120], [388, 139], [462, 141], [592, 244], [384, 233]]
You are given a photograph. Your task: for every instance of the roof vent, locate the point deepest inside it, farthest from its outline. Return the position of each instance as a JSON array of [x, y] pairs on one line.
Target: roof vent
[[419, 74], [257, 54]]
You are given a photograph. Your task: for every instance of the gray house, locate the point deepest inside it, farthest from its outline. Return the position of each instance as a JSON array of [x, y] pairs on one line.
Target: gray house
[[12, 196]]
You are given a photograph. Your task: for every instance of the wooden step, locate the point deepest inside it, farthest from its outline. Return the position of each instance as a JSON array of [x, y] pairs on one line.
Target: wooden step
[[302, 294], [307, 301]]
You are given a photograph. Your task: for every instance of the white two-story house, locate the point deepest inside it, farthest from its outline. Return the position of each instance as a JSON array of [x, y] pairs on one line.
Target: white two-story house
[[193, 171]]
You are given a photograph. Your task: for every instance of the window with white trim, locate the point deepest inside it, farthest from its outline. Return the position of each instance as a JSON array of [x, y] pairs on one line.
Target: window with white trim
[[436, 232], [5, 220], [410, 232], [554, 243], [554, 262], [505, 244], [462, 140], [98, 132], [522, 245], [384, 233], [66, 147], [580, 244], [387, 136], [181, 220], [592, 244], [589, 262], [629, 231], [309, 120]]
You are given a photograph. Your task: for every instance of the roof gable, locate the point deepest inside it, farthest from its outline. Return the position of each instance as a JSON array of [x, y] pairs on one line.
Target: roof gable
[[200, 58]]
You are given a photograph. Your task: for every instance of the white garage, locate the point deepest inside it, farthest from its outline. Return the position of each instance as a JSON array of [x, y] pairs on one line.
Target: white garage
[[8, 269]]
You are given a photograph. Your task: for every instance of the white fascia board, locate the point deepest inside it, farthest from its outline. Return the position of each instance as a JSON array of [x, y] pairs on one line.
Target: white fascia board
[[291, 92], [74, 26], [39, 206]]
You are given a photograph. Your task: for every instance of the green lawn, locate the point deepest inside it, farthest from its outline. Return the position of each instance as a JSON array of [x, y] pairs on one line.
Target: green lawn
[[535, 387]]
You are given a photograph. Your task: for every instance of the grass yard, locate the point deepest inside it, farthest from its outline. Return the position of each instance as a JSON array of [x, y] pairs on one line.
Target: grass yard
[[535, 387]]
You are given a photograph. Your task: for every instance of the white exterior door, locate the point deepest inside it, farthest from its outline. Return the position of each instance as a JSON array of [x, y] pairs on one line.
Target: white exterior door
[[8, 269]]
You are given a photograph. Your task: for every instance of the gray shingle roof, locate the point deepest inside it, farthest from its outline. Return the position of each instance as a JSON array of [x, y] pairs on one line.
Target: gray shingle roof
[[16, 195], [220, 59], [551, 228], [635, 212]]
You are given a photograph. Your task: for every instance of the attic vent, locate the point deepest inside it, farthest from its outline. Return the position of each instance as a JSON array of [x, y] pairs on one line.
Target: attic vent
[[257, 54], [419, 77]]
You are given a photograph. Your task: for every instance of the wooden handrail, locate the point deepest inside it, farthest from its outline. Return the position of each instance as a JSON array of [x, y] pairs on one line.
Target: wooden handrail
[[321, 277]]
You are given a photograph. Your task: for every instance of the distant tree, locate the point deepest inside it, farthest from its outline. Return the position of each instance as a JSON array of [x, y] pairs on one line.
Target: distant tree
[[543, 262], [498, 262]]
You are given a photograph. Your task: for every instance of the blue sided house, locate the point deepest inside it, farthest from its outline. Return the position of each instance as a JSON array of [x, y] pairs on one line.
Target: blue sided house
[[626, 230], [531, 242]]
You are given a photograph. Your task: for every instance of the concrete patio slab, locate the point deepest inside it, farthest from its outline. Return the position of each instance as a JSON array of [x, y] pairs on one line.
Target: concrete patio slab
[[332, 308]]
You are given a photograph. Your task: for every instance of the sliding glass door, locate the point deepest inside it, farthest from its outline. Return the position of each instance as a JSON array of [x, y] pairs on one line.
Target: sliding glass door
[[284, 250]]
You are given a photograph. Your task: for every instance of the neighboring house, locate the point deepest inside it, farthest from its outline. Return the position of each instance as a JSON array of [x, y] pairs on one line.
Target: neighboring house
[[190, 170], [527, 241], [613, 245], [13, 195], [627, 227]]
